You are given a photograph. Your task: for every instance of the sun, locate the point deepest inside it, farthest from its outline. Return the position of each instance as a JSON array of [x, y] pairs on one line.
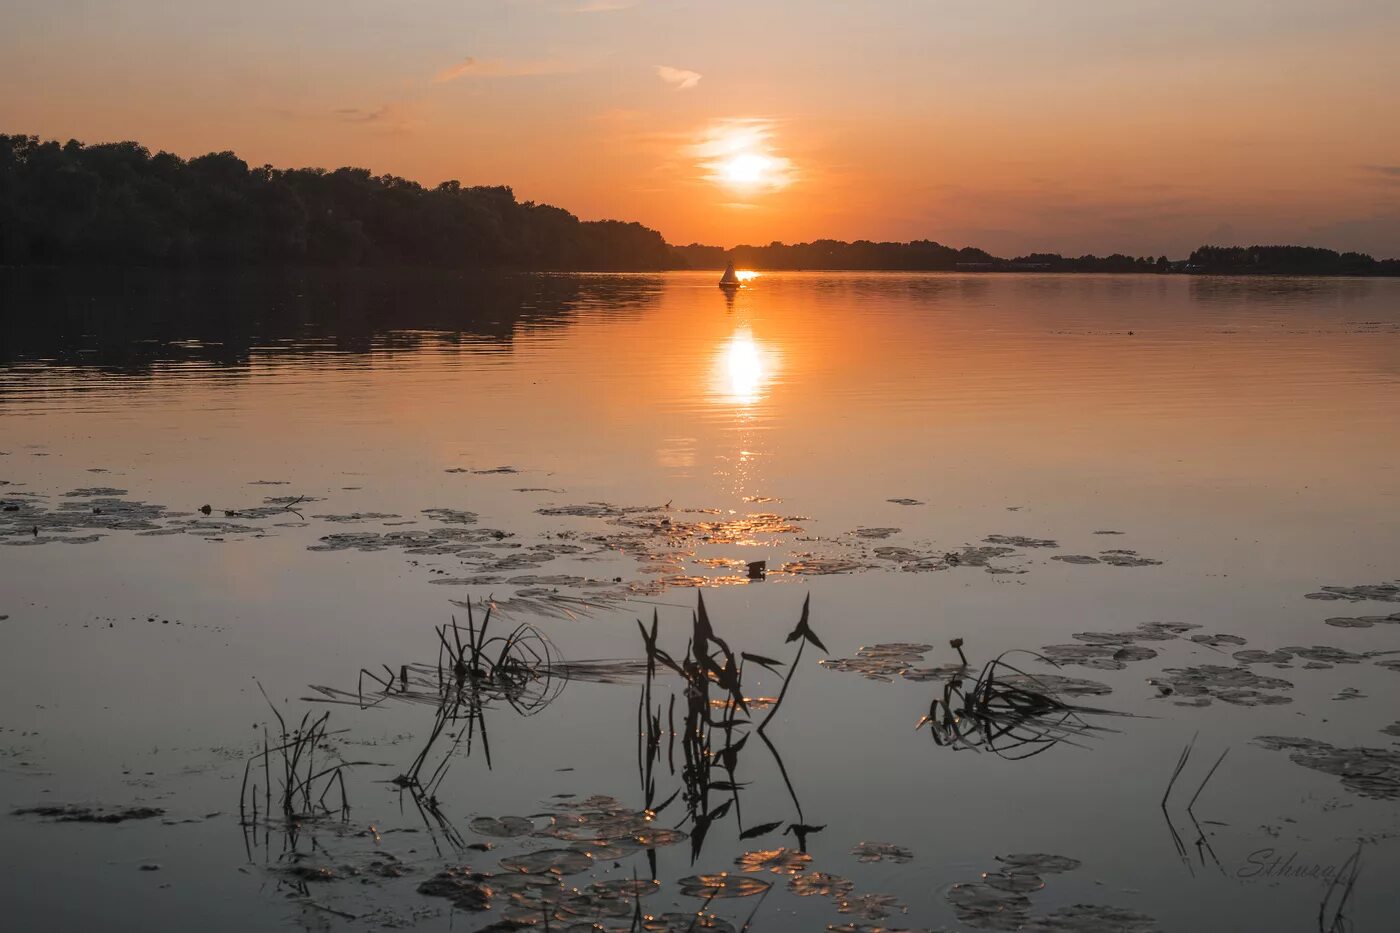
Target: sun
[[745, 169], [739, 155]]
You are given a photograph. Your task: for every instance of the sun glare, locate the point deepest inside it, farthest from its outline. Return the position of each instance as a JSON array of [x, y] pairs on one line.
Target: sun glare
[[738, 155], [745, 169], [745, 368]]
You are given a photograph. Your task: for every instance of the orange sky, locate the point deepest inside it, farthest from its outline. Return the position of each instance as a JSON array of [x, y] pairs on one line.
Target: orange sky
[[1014, 125]]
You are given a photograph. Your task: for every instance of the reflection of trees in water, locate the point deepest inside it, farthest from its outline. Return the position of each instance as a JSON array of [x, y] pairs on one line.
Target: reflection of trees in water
[[1290, 290], [126, 320]]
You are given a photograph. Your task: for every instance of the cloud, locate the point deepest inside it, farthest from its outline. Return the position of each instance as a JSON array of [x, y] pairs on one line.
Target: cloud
[[604, 6], [394, 116], [500, 68], [682, 79], [1390, 173]]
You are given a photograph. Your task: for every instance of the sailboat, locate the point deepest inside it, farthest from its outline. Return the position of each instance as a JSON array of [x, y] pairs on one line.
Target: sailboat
[[730, 279]]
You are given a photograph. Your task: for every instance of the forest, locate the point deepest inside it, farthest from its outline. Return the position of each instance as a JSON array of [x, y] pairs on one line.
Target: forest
[[117, 204]]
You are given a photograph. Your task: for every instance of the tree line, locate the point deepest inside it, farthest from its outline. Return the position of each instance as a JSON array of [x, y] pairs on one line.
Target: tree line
[[929, 256], [1286, 260], [118, 204]]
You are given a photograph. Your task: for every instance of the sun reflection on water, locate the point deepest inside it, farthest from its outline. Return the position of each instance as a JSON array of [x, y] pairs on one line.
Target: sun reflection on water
[[745, 368]]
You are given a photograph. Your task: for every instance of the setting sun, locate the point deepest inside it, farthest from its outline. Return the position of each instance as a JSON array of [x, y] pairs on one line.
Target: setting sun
[[745, 169], [738, 155]]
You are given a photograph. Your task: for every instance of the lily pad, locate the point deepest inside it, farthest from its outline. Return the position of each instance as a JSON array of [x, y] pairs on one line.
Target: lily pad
[[881, 852], [554, 861], [778, 861], [722, 885], [505, 827], [1040, 863], [822, 884]]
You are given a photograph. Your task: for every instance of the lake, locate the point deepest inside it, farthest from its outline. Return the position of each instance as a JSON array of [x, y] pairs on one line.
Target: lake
[[1177, 492]]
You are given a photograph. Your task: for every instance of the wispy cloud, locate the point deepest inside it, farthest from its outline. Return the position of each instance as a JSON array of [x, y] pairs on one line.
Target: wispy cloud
[[1389, 173], [679, 78], [604, 6], [395, 116], [501, 68]]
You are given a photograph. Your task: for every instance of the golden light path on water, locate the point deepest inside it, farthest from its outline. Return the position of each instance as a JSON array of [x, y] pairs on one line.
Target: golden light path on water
[[745, 368], [743, 372]]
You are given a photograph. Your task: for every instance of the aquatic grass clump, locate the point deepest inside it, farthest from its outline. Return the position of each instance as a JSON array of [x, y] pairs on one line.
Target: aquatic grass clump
[[519, 667], [475, 669], [304, 783], [1005, 710]]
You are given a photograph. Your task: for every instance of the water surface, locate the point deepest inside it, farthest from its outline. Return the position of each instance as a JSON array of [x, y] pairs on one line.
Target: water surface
[[1237, 436]]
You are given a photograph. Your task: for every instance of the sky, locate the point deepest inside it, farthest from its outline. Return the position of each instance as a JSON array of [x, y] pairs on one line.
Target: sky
[[1071, 126]]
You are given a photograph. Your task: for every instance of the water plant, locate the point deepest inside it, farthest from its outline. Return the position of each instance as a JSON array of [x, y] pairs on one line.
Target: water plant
[[1005, 710]]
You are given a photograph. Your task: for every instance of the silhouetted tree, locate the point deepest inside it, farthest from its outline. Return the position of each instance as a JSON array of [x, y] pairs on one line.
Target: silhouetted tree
[[118, 204]]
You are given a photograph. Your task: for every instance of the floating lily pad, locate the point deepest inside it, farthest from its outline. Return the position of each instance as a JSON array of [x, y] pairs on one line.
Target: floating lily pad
[[1016, 881], [630, 888], [822, 884], [1381, 592], [686, 923], [1091, 918], [1216, 641], [871, 906], [722, 885], [1364, 621], [465, 888], [881, 852], [1252, 656], [925, 674], [555, 861], [1056, 684], [1020, 541], [879, 662], [524, 882], [778, 861], [505, 827], [450, 516], [1369, 772], [819, 566], [72, 814], [1126, 558], [1237, 685], [1098, 657], [1040, 863], [982, 906]]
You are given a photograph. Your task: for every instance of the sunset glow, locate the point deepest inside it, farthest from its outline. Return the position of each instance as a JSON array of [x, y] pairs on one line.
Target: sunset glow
[[1015, 127], [739, 156], [745, 368]]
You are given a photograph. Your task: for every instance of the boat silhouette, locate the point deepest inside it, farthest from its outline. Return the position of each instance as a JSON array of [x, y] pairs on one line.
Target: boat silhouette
[[730, 279]]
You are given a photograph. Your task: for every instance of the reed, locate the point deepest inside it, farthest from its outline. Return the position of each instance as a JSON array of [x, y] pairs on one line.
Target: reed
[[304, 784]]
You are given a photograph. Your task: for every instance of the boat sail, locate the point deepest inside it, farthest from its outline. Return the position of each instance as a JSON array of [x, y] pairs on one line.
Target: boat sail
[[730, 279]]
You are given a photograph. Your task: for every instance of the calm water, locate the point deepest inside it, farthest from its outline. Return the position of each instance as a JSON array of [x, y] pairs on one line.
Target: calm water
[[623, 439]]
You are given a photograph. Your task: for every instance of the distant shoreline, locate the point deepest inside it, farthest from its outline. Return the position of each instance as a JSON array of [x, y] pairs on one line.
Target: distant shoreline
[[72, 205]]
